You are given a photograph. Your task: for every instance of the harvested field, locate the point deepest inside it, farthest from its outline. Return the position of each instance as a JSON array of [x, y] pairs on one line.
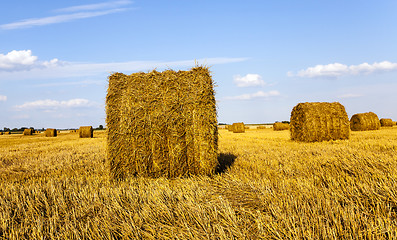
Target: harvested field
[[266, 187]]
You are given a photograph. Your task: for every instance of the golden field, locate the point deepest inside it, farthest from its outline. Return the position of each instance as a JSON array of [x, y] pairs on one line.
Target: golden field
[[267, 187]]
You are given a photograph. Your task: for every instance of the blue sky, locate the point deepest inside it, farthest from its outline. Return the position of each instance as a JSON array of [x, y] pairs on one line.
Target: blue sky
[[265, 56]]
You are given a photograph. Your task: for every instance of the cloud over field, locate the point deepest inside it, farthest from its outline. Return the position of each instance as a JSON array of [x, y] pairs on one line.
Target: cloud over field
[[259, 94], [49, 104], [23, 60], [335, 70], [3, 98], [249, 80], [77, 12]]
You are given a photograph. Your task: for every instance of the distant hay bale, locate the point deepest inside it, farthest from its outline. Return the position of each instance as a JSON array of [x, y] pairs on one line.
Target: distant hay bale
[[86, 132], [364, 122], [50, 132], [279, 126], [7, 133], [238, 127], [386, 122], [1, 133], [162, 124], [28, 131], [319, 121], [246, 127], [230, 128]]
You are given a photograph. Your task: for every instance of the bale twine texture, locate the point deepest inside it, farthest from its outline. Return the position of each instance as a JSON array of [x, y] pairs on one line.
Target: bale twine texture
[[238, 127], [28, 131], [364, 122], [386, 122], [279, 126], [86, 132], [162, 124], [50, 132], [319, 121]]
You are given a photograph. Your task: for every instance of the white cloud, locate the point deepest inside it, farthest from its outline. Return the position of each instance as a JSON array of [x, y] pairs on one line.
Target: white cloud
[[349, 95], [79, 12], [249, 80], [72, 69], [56, 19], [3, 98], [24, 60], [90, 7], [49, 104], [335, 70], [259, 94]]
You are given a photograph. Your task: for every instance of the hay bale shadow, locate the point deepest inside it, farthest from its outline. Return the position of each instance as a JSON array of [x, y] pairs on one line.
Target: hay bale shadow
[[225, 161]]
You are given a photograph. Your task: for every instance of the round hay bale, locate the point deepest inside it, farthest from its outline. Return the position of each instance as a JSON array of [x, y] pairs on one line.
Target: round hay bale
[[319, 121], [50, 132], [364, 122], [279, 126], [161, 124], [86, 132], [238, 127], [1, 133], [386, 122], [7, 133], [28, 131]]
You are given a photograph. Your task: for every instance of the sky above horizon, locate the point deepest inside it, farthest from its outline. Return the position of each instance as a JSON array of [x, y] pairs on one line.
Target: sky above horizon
[[265, 56]]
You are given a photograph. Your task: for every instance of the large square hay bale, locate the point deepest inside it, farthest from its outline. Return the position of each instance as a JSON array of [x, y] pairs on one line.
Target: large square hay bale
[[279, 126], [238, 127], [28, 131], [86, 132], [386, 122], [319, 121], [364, 122], [161, 124], [50, 132]]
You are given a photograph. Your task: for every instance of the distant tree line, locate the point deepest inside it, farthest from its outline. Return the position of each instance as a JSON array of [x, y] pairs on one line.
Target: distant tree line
[[6, 129]]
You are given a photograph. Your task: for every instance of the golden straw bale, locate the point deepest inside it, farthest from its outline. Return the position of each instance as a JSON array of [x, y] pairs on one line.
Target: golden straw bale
[[50, 132], [319, 121], [162, 124], [86, 132], [7, 133], [1, 133], [28, 131], [364, 122], [279, 126], [386, 122], [238, 127]]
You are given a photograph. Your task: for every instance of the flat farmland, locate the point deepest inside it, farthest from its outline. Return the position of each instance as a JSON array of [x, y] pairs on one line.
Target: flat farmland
[[266, 187]]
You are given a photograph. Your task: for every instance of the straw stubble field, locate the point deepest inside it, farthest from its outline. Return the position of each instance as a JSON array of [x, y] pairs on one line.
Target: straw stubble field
[[266, 187]]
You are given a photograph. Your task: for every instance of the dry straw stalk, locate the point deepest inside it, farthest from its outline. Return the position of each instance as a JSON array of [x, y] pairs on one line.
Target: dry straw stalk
[[238, 127], [28, 131], [162, 123], [50, 132], [86, 132], [386, 122], [319, 121], [364, 122], [279, 126]]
